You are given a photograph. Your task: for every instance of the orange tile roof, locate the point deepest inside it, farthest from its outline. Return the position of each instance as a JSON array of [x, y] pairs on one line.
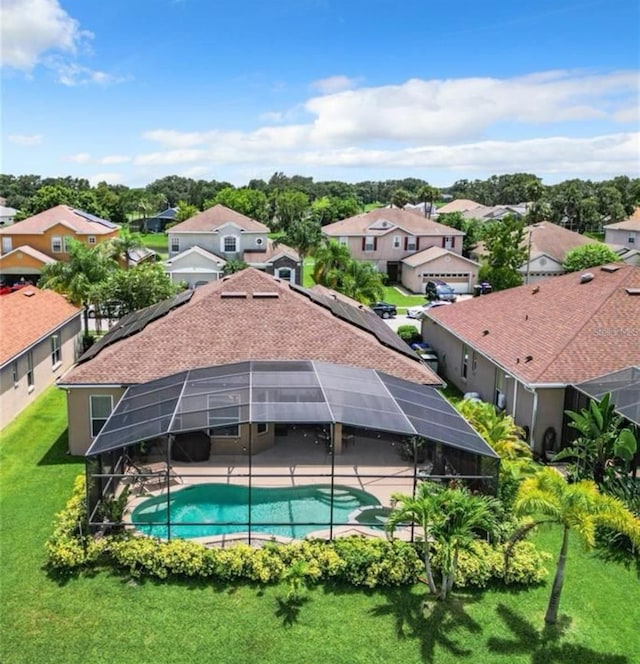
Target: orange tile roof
[[213, 218], [409, 221], [26, 318], [557, 331], [61, 214], [212, 329]]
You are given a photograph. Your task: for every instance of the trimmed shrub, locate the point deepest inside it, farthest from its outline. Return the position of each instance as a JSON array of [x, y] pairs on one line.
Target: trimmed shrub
[[409, 333]]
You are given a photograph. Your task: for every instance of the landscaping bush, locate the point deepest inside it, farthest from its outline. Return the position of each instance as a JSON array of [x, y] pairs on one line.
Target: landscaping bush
[[409, 333], [357, 561]]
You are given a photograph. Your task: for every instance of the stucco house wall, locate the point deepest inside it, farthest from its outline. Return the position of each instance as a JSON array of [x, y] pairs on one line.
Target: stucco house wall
[[214, 242], [16, 395], [414, 278], [622, 238]]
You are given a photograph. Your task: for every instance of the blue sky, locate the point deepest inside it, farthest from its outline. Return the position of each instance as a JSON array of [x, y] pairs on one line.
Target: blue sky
[[335, 89]]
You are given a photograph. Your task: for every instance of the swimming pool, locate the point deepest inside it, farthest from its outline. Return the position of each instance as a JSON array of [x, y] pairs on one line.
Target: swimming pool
[[217, 509]]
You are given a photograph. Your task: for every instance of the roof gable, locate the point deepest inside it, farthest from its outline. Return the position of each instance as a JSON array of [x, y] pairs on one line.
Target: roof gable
[[215, 218], [187, 257], [78, 221]]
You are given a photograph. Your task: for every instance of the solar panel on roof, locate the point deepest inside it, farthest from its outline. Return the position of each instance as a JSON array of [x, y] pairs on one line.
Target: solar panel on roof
[[98, 220]]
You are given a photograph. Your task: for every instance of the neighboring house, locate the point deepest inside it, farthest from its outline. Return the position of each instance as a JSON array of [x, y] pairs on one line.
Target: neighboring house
[[625, 233], [495, 212], [7, 215], [547, 246], [159, 222], [247, 316], [458, 205], [628, 256], [386, 236], [195, 267], [50, 231], [440, 264], [425, 209], [23, 264], [523, 348], [39, 331], [229, 235], [139, 256]]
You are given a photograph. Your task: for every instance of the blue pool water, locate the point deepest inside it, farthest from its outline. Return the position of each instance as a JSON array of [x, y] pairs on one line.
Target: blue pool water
[[218, 509]]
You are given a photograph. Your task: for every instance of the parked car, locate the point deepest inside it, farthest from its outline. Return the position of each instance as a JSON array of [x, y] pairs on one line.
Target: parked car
[[384, 309], [416, 312], [439, 290]]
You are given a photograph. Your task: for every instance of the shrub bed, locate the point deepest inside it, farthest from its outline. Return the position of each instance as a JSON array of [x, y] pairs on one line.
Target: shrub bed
[[357, 561]]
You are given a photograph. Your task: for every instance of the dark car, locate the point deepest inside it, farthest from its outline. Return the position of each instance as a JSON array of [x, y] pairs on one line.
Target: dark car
[[384, 309], [439, 290]]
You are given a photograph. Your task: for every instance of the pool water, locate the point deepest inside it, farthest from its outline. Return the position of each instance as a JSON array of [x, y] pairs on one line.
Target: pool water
[[218, 509]]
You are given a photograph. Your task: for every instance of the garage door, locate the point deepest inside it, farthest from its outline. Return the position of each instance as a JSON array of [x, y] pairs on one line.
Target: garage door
[[459, 281]]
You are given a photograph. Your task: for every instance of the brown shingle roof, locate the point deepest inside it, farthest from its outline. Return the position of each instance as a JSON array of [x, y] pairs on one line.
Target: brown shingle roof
[[213, 218], [459, 205], [61, 214], [26, 318], [632, 223], [271, 252], [572, 331], [408, 221], [431, 253], [553, 240], [212, 329]]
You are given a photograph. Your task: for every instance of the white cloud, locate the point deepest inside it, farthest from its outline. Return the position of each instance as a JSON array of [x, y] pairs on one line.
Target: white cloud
[[72, 74], [334, 84], [79, 158], [109, 178], [170, 157], [28, 140], [30, 28], [114, 159]]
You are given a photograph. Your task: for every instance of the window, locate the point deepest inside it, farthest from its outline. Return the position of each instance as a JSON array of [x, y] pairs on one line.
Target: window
[[448, 243], [286, 274], [343, 240], [369, 243], [263, 427], [6, 245], [632, 238], [100, 407], [66, 243], [474, 361], [396, 242], [411, 243], [259, 241], [14, 373], [30, 378], [91, 239], [56, 244], [175, 244], [501, 399], [230, 244], [223, 415], [55, 349], [465, 361]]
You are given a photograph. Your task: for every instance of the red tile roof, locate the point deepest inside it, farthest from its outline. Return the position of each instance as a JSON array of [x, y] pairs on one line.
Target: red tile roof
[[212, 329], [61, 214], [558, 331], [213, 218], [24, 318], [409, 221]]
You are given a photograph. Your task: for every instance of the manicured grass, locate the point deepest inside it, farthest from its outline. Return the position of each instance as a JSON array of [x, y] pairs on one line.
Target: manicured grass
[[394, 296], [159, 242], [107, 618]]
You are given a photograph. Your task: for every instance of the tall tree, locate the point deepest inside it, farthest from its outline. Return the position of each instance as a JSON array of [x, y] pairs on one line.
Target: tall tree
[[331, 259], [80, 275], [361, 282], [185, 211], [122, 246], [504, 242], [577, 507], [289, 207], [303, 236], [250, 202], [428, 195], [400, 198]]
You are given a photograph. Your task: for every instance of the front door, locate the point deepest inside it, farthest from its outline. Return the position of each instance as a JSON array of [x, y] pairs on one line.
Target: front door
[[393, 271]]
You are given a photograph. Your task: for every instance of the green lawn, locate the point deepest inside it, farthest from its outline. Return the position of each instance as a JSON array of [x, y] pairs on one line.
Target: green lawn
[[107, 618], [159, 242]]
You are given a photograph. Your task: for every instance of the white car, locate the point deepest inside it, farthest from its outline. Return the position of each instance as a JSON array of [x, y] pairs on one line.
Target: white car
[[416, 312]]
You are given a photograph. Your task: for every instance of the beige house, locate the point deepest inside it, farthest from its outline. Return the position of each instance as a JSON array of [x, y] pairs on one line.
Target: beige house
[[386, 236], [522, 349], [249, 315], [40, 335], [436, 263], [625, 233]]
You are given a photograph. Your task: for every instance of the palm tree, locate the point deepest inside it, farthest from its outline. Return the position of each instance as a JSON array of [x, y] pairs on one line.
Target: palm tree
[[422, 510], [331, 258], [428, 194], [303, 236], [79, 276], [123, 245], [602, 441], [463, 517], [579, 507], [361, 282]]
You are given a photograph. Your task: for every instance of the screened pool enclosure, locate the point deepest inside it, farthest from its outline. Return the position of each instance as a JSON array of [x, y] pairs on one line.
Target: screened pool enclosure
[[276, 449]]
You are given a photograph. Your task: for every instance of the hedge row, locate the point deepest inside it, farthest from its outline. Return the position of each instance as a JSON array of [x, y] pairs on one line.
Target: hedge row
[[357, 561]]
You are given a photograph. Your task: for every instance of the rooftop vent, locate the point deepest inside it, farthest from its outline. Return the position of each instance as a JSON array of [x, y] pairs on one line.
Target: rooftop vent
[[485, 332], [633, 291], [610, 268], [535, 289], [586, 278], [233, 294], [265, 295], [28, 293], [528, 358]]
